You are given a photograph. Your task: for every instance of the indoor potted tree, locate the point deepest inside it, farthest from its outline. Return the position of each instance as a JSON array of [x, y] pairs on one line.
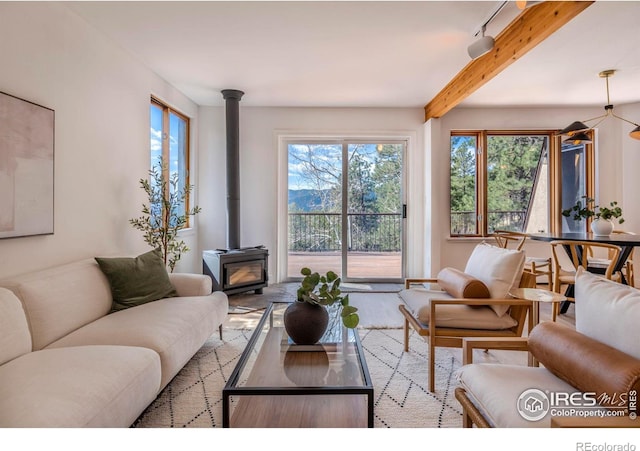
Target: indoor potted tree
[[164, 216], [602, 223], [307, 318]]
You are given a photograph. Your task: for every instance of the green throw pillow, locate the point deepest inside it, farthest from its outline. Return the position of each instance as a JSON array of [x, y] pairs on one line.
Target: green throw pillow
[[136, 281]]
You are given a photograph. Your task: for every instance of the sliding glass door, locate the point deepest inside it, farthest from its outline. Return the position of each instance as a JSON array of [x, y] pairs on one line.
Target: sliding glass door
[[346, 208]]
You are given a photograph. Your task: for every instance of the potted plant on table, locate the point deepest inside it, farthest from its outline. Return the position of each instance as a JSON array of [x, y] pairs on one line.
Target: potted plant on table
[[306, 319], [603, 216]]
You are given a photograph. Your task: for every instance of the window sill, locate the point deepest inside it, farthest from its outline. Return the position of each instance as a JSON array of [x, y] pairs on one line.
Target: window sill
[[469, 239], [183, 233]]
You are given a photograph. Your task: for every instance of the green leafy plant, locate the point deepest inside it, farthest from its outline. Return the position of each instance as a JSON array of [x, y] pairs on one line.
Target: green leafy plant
[[163, 216], [587, 209], [328, 293]]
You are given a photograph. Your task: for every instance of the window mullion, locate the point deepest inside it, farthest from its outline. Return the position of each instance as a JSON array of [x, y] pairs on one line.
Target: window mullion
[[482, 208], [165, 142]]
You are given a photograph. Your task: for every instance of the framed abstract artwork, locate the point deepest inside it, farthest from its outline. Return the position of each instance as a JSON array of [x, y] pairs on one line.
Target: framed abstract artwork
[[26, 168]]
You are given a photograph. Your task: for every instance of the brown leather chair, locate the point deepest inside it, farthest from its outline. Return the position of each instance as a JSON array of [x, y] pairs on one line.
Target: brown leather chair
[[591, 358]]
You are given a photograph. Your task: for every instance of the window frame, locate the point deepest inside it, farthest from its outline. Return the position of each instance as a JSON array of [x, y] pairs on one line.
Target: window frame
[[555, 176], [167, 110]]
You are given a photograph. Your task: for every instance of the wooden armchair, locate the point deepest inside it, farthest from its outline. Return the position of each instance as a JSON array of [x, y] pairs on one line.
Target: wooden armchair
[[445, 318]]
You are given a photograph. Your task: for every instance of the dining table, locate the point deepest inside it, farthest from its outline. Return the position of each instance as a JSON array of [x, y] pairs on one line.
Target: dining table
[[626, 241]]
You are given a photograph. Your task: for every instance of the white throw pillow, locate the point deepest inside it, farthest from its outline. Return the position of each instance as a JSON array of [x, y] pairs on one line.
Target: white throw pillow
[[500, 269], [608, 311]]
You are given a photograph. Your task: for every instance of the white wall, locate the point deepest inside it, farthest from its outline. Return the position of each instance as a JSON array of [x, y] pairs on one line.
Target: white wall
[[618, 158], [259, 128], [628, 175], [100, 95]]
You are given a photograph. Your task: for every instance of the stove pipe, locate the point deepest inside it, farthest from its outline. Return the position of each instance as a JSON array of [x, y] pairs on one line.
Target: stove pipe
[[232, 98]]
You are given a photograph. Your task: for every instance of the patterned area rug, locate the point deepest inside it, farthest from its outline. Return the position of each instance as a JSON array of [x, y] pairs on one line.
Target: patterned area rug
[[402, 398]]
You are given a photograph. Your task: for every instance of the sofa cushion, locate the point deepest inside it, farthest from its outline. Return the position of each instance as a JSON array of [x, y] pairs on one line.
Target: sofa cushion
[[61, 299], [584, 363], [15, 338], [495, 388], [418, 302], [85, 386], [191, 284], [500, 269], [136, 281], [608, 312], [175, 328], [461, 285]]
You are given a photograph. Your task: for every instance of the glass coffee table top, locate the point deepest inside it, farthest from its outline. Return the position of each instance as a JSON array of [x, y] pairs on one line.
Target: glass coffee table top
[[277, 383]]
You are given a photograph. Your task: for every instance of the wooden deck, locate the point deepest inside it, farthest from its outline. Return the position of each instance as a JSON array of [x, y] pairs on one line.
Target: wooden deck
[[360, 265]]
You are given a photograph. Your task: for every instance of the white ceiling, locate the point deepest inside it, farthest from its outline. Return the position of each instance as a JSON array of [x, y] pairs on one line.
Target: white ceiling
[[367, 53]]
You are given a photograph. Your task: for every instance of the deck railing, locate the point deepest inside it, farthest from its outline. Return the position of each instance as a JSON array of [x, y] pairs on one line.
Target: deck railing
[[378, 232], [366, 232], [464, 222]]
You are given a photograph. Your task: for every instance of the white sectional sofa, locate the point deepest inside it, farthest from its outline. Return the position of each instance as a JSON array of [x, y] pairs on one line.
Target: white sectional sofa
[[66, 361]]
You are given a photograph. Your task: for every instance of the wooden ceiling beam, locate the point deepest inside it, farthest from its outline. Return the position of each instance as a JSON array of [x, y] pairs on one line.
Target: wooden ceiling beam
[[531, 27]]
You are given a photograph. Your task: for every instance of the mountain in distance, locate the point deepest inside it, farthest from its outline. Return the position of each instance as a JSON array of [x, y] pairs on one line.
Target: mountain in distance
[[306, 200]]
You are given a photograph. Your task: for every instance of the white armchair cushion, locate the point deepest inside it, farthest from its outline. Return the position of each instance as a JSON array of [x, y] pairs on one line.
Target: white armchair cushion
[[418, 301], [608, 312], [495, 388], [500, 269]]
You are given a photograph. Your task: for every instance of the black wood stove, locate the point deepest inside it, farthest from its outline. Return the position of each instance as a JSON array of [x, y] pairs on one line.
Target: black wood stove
[[235, 269]]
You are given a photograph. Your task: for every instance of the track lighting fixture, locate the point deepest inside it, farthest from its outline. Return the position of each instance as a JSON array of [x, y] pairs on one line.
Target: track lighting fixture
[[485, 43], [481, 46]]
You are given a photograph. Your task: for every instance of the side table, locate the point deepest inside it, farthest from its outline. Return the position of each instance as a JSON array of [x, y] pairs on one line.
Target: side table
[[537, 295]]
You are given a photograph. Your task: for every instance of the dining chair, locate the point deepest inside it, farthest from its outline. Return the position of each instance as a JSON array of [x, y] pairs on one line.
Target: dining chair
[[508, 239], [538, 266], [578, 253], [627, 269]]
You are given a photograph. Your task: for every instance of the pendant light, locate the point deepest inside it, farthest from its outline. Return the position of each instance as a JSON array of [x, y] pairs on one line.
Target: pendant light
[[581, 137], [577, 131]]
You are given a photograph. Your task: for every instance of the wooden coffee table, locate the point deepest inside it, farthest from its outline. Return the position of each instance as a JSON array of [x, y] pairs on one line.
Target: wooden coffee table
[[277, 384]]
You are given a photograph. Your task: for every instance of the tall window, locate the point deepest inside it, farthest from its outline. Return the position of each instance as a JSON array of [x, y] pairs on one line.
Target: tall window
[[170, 144], [577, 175], [500, 180]]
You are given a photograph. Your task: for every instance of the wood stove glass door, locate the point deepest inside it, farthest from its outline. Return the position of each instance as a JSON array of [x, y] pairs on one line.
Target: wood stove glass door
[[351, 225]]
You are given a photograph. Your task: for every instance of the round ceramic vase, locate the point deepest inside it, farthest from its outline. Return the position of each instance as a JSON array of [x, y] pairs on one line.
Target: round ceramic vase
[[305, 323], [602, 227]]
